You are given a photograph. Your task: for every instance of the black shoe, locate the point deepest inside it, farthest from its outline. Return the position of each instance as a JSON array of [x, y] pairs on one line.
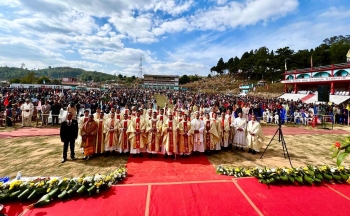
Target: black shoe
[[73, 158], [254, 152], [236, 148], [250, 150], [134, 156], [173, 156], [140, 155], [156, 155], [149, 155], [63, 160], [165, 155], [242, 149]]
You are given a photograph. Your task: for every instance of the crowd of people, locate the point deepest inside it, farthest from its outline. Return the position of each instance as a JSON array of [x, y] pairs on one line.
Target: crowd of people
[[129, 121]]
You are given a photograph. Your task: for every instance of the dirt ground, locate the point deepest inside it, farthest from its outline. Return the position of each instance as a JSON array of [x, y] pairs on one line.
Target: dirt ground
[[41, 156]]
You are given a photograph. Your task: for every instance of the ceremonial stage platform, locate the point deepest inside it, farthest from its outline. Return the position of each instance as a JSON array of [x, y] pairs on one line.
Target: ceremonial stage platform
[[190, 187]]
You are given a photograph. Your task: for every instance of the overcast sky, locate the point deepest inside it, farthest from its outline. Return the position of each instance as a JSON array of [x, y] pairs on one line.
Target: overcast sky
[[172, 36]]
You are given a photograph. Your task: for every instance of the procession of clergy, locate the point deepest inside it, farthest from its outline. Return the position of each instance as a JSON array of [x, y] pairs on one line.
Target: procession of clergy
[[165, 131]]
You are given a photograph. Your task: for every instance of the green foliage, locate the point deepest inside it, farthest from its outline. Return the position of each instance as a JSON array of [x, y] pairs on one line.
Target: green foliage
[[341, 150], [184, 79], [42, 79], [270, 64], [29, 78], [54, 73], [209, 75], [15, 80]]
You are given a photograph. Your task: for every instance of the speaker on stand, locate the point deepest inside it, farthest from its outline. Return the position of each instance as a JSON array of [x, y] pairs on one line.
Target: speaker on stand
[[323, 93]]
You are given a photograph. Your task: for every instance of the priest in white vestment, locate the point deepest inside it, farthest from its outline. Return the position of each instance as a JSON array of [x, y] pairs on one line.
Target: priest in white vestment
[[197, 126], [111, 139], [26, 109], [240, 125], [255, 137]]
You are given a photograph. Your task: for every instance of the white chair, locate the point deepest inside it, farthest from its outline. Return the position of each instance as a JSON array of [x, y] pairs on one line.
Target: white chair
[[49, 120]]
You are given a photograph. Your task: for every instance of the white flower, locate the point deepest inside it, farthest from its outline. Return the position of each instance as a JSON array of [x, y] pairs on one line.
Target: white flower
[[260, 171], [87, 179], [273, 170], [98, 178], [333, 169]]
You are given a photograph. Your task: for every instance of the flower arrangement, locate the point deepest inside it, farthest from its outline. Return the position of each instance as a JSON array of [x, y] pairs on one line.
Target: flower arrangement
[[341, 150], [302, 175], [56, 188]]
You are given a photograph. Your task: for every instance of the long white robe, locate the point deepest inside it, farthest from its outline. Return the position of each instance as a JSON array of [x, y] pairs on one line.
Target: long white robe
[[111, 130], [198, 144], [240, 137], [255, 142]]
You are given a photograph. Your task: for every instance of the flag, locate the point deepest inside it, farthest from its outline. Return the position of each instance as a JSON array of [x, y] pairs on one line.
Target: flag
[[6, 101], [312, 65], [285, 65]]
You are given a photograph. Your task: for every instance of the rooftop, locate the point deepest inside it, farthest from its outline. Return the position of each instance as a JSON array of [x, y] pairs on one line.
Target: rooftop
[[321, 68], [156, 75]]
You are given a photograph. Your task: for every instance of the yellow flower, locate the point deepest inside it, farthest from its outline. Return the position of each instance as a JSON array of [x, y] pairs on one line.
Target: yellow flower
[[348, 181], [237, 169], [341, 168], [305, 169], [48, 190]]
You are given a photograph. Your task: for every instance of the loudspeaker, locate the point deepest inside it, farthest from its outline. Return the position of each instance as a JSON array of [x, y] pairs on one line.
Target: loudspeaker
[[323, 93]]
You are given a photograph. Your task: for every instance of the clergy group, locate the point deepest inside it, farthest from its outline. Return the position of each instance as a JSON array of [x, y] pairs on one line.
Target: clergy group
[[167, 132]]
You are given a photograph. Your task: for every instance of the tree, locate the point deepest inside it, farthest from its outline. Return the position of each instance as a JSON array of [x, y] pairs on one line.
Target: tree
[[209, 75], [15, 80], [220, 66], [184, 79], [42, 79], [29, 78], [133, 77], [56, 82], [120, 76]]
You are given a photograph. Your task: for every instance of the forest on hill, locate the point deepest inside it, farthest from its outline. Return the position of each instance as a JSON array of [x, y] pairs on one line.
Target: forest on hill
[[8, 73], [270, 64]]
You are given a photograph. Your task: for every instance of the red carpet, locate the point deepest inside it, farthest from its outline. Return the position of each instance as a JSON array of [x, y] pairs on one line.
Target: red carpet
[[145, 170], [117, 201], [307, 97], [294, 200], [342, 188], [199, 199], [30, 132]]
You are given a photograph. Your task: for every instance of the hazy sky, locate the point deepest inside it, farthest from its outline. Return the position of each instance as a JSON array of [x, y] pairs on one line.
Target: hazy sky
[[172, 36]]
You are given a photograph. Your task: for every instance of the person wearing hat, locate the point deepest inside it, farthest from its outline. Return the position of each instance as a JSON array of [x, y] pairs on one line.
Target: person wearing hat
[[137, 135], [81, 121], [88, 134], [153, 130], [27, 109], [255, 137], [123, 145], [225, 130], [216, 123], [197, 129], [240, 125], [169, 144], [111, 128], [100, 138], [185, 137]]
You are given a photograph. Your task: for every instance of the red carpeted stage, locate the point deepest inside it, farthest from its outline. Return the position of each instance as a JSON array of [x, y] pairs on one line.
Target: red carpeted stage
[[191, 187]]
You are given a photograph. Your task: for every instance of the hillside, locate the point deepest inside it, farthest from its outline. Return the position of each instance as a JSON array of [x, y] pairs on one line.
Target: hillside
[[227, 84], [7, 73]]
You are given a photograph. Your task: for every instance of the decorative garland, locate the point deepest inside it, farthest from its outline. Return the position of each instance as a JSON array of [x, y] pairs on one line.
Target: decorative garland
[[55, 188], [303, 175]]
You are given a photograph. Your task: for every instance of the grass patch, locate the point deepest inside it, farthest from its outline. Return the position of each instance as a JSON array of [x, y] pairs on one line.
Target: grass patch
[[34, 156], [303, 150], [161, 100]]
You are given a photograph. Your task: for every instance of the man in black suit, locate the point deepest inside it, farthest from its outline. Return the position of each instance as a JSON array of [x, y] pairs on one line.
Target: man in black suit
[[68, 134]]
